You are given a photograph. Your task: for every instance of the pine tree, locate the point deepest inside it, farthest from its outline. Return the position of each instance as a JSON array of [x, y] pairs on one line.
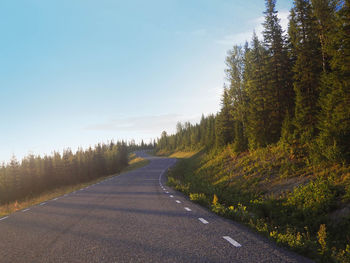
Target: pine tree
[[278, 68], [235, 76], [224, 123], [259, 110], [324, 12], [334, 124], [307, 69]]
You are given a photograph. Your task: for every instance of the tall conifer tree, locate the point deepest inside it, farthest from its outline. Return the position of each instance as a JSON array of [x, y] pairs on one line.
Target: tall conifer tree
[[324, 12], [334, 124], [307, 69], [278, 68], [259, 107], [224, 122], [234, 73]]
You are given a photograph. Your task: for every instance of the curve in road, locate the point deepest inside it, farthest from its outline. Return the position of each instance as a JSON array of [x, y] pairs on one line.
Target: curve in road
[[132, 217]]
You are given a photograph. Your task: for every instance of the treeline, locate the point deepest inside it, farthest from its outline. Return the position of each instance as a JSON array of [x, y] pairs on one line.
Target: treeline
[[189, 136], [35, 174], [291, 87], [133, 146]]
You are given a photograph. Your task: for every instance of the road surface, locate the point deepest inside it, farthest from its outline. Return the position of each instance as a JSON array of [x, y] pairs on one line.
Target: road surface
[[132, 217]]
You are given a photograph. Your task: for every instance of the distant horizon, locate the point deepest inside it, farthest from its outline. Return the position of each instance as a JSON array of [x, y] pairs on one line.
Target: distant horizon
[[74, 74]]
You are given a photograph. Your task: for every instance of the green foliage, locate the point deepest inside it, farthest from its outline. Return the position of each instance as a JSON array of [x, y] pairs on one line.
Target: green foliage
[[224, 122], [322, 238], [278, 71], [259, 94], [292, 88], [307, 68], [199, 198], [287, 100], [342, 255], [334, 120], [190, 137], [36, 174], [315, 198], [290, 237], [288, 203]]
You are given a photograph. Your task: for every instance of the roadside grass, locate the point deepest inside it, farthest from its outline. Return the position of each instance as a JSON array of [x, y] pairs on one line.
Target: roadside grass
[[296, 204], [6, 209], [135, 162], [181, 155], [176, 154]]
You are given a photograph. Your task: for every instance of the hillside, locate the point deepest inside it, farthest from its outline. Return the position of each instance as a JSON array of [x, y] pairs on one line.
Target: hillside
[[306, 208], [277, 154]]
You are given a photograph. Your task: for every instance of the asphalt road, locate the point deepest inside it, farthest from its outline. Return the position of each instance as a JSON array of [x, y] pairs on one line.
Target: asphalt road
[[132, 217]]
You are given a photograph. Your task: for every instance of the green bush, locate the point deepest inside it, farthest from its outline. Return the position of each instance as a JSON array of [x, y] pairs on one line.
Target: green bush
[[199, 198], [314, 198]]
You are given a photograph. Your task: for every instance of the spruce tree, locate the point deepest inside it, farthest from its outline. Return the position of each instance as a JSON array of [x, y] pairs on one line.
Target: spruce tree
[[278, 68], [324, 12], [235, 76], [259, 109], [224, 124], [307, 69], [334, 124]]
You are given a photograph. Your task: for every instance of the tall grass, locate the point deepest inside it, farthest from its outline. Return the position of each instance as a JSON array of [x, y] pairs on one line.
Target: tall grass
[[304, 207]]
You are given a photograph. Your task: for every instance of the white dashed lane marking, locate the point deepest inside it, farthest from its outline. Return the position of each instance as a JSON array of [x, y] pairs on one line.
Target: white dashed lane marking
[[171, 196], [3, 218], [232, 241], [203, 220], [177, 201], [187, 209]]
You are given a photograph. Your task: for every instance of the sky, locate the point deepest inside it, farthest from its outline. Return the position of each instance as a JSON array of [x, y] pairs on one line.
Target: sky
[[77, 72]]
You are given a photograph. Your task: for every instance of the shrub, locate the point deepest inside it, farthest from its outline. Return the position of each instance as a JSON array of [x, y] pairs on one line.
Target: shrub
[[199, 198], [321, 238], [317, 197]]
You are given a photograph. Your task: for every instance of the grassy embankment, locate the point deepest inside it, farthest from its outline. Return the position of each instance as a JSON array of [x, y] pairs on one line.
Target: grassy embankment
[[134, 163], [299, 205]]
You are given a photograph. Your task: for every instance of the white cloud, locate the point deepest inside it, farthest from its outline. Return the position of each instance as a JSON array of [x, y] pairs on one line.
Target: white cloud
[[255, 25], [241, 37], [238, 38], [284, 19]]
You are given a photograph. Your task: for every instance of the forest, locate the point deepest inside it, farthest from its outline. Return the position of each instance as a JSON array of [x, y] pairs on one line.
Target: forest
[[35, 174], [276, 156], [290, 87]]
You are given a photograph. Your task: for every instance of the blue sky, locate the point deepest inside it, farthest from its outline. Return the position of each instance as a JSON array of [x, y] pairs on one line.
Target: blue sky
[[77, 72]]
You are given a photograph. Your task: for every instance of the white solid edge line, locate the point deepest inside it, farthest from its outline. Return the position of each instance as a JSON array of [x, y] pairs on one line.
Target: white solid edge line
[[3, 218], [187, 209], [25, 210], [42, 203], [203, 220], [232, 241], [55, 199], [177, 201]]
